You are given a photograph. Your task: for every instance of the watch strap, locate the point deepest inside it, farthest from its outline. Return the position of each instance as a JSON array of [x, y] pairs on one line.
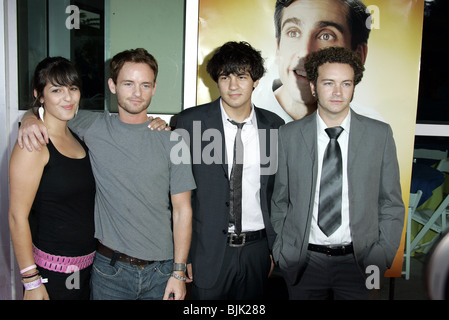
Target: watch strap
[[179, 267]]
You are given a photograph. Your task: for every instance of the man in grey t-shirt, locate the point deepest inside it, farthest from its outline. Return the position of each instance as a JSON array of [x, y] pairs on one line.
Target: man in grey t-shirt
[[143, 214]]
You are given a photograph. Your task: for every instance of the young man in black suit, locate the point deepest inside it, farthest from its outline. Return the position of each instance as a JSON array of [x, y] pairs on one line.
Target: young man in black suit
[[231, 259]]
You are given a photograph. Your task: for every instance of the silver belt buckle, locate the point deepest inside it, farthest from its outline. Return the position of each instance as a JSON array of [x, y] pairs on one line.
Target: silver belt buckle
[[235, 236]]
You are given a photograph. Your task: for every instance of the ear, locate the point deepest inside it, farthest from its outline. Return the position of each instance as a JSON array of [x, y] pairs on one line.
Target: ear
[[362, 51], [112, 86], [312, 88], [276, 55], [255, 84], [154, 88], [41, 99]]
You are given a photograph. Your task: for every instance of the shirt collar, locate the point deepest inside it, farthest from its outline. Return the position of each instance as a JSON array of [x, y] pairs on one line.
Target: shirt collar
[[346, 123], [225, 117]]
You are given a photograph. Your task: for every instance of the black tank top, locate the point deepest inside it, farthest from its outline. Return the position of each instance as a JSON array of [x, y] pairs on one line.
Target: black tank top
[[62, 215]]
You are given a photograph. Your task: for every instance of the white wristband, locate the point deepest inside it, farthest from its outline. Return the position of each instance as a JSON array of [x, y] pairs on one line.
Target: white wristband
[[34, 284]]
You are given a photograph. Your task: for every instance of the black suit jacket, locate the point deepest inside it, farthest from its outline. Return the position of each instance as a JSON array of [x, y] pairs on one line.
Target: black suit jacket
[[210, 201]]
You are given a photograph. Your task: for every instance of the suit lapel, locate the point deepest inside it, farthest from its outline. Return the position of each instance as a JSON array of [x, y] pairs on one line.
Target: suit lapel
[[213, 116], [264, 140], [355, 136], [265, 145], [307, 143], [214, 121], [309, 135]]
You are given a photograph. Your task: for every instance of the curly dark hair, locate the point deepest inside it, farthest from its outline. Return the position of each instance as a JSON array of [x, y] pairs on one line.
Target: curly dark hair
[[333, 55], [235, 58]]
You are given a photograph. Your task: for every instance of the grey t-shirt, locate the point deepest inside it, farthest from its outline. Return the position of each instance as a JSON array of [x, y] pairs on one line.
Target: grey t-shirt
[[134, 179]]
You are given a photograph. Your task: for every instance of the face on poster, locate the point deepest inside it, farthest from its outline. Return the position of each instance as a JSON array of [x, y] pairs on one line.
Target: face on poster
[[391, 52], [389, 88]]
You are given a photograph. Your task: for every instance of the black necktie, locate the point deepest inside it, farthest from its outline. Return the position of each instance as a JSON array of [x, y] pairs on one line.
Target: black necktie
[[236, 180], [329, 210]]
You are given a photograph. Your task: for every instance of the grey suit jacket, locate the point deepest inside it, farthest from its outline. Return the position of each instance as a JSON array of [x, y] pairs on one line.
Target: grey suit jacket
[[376, 208], [210, 201]]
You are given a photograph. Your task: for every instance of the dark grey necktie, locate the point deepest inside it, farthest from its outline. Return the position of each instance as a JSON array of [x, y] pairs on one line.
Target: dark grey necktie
[[236, 180], [329, 210]]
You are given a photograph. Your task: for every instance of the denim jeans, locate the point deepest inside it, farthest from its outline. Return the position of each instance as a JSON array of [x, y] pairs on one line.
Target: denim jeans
[[124, 281]]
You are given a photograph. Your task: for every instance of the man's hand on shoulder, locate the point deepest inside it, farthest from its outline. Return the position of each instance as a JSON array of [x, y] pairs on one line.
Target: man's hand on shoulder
[[33, 134], [158, 124]]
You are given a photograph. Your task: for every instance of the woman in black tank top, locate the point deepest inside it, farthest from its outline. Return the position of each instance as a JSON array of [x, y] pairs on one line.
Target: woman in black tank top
[[52, 194]]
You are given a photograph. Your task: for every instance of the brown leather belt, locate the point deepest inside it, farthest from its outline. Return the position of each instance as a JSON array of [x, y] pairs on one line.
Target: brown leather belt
[[118, 256]]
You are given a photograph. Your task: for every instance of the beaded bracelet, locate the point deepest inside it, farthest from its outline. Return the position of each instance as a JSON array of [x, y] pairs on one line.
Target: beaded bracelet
[[30, 275], [178, 277]]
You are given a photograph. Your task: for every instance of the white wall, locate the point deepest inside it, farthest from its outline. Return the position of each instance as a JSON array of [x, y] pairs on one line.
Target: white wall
[[9, 282]]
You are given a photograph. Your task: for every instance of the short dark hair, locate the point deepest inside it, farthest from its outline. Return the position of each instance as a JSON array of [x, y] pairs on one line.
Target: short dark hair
[[138, 55], [58, 71], [235, 58], [333, 55], [356, 19]]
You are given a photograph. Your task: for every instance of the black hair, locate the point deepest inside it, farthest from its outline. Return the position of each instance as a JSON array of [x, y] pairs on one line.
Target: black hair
[[58, 71], [236, 58]]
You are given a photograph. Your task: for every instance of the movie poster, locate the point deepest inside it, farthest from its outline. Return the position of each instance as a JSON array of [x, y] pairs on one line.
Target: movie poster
[[388, 91]]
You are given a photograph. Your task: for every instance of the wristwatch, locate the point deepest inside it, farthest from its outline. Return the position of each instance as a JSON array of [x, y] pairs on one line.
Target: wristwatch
[[179, 267]]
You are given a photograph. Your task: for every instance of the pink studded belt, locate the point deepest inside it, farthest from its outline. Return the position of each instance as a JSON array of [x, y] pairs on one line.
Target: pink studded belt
[[62, 264]]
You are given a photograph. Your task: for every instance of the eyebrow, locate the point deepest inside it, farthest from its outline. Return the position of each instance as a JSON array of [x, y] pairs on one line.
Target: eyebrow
[[145, 82], [319, 24], [332, 80], [236, 73], [324, 24], [291, 20]]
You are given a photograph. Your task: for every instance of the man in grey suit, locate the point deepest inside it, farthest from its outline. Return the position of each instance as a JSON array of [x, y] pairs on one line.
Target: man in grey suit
[[317, 263]]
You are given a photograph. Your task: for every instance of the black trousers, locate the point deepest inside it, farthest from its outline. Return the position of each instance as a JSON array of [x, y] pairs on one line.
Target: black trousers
[[62, 286], [330, 277], [243, 274]]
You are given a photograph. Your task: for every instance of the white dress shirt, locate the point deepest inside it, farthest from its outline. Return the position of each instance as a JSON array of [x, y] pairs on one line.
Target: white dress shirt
[[343, 234], [252, 218]]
